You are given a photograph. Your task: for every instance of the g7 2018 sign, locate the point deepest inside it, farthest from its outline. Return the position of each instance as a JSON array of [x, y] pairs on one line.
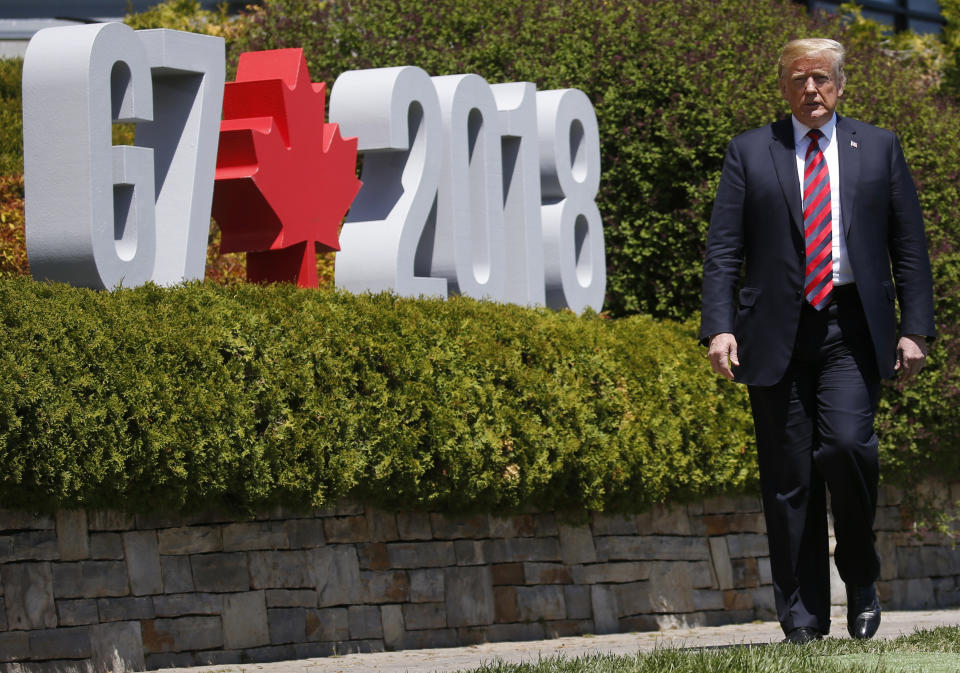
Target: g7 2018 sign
[[471, 188]]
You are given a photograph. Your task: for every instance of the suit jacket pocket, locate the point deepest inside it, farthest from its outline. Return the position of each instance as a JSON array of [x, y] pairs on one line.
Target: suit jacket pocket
[[891, 292], [748, 297]]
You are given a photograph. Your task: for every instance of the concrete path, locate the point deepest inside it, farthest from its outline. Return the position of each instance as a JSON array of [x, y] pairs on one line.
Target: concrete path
[[466, 658]]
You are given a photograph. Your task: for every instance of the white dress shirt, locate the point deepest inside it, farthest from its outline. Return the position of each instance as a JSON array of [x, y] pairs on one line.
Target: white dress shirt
[[842, 273]]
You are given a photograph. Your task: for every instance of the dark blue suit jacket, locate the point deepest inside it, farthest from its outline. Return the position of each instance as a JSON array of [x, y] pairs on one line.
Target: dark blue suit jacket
[[754, 266]]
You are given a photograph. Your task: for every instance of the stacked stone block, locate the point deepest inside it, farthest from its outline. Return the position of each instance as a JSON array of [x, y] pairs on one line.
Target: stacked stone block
[[918, 570], [104, 591]]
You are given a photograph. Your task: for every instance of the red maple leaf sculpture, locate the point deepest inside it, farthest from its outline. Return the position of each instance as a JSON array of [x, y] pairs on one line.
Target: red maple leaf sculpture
[[284, 179]]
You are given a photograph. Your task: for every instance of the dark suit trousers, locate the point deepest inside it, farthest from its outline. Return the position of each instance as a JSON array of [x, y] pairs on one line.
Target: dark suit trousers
[[815, 429]]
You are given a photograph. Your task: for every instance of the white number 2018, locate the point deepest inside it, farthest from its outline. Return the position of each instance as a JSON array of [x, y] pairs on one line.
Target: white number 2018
[[487, 191]]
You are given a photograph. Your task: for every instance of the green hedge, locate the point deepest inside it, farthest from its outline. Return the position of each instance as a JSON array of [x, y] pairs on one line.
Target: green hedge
[[204, 396], [242, 397]]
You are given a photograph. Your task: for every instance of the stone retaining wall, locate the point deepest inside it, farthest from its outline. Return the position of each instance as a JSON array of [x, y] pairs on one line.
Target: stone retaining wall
[[103, 591]]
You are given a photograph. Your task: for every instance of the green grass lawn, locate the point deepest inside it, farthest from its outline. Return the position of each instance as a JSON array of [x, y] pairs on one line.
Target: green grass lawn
[[933, 651]]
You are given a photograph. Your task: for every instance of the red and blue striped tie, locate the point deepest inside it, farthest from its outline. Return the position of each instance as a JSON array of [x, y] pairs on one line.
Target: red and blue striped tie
[[817, 225]]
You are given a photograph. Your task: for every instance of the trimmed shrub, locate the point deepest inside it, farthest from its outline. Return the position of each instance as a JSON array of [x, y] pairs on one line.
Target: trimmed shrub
[[248, 396], [244, 397]]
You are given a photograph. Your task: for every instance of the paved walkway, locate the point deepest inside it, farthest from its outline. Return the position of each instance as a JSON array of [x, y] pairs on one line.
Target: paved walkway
[[466, 658]]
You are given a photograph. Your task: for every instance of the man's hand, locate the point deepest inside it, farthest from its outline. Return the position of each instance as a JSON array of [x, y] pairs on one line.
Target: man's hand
[[911, 355], [723, 351]]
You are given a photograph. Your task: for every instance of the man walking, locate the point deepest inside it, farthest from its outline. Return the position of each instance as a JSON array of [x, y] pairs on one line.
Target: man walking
[[816, 232]]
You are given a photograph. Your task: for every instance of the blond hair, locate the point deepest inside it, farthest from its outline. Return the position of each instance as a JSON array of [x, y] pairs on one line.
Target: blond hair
[[812, 46]]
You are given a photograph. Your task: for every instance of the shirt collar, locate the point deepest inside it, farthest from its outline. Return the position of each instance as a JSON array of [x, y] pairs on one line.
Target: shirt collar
[[801, 130]]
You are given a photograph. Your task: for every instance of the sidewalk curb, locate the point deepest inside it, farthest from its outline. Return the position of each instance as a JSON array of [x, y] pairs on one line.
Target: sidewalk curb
[[451, 659]]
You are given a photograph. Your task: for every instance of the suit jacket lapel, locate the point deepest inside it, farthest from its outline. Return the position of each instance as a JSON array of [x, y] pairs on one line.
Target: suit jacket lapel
[[848, 156], [784, 154]]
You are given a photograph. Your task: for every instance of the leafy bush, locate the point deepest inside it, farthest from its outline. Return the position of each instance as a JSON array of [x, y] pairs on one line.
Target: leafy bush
[[13, 253], [181, 15], [951, 38], [11, 117], [247, 396]]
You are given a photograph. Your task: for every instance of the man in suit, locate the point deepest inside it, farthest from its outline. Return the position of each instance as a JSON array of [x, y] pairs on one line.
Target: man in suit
[[816, 231]]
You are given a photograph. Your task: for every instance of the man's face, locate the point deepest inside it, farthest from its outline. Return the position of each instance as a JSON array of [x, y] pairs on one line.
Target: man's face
[[810, 86]]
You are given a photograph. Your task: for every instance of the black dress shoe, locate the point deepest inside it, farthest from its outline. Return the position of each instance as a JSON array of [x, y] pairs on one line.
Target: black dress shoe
[[863, 611], [802, 635]]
